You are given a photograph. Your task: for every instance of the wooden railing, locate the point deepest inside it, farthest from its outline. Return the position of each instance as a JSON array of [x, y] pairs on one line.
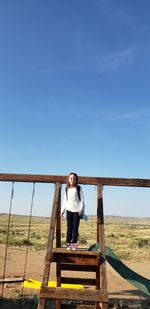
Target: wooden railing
[[104, 181]]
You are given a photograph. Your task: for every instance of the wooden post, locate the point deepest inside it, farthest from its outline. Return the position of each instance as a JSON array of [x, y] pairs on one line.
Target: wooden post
[[58, 223], [42, 301], [58, 275], [58, 245], [101, 240]]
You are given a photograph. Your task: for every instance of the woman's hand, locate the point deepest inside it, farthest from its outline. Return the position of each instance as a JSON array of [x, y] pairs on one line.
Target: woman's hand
[[62, 214]]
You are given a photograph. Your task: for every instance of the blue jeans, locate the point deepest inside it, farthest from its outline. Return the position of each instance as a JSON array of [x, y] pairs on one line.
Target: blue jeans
[[72, 226]]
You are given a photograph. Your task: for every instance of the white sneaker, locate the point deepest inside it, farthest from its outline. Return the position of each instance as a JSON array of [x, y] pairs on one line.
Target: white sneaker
[[68, 247], [74, 247]]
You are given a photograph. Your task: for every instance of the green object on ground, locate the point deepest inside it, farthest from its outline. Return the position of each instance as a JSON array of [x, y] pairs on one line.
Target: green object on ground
[[140, 282]]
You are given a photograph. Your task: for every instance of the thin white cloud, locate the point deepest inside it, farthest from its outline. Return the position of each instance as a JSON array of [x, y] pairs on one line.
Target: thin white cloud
[[89, 60], [102, 63], [111, 115], [115, 60], [130, 115]]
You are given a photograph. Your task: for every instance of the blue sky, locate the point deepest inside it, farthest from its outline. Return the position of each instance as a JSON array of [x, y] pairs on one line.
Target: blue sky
[[74, 92]]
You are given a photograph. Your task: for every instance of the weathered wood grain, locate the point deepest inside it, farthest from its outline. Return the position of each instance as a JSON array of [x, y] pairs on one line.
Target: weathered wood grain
[[73, 294], [104, 181]]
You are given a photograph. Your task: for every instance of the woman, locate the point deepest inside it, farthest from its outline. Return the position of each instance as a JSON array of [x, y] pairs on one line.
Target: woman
[[73, 204]]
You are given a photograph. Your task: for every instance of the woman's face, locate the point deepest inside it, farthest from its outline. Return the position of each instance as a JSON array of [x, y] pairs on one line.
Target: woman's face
[[72, 180]]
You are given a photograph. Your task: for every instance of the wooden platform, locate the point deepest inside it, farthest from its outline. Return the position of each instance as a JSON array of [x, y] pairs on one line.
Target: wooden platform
[[94, 289]]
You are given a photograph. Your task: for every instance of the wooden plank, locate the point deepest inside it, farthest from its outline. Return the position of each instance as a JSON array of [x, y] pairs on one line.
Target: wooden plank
[[82, 253], [75, 259], [98, 286], [41, 303], [104, 181], [58, 244], [73, 294], [83, 281], [75, 267], [58, 222], [58, 304], [100, 218], [45, 278], [11, 280], [98, 274], [58, 276], [33, 178], [101, 237], [51, 236]]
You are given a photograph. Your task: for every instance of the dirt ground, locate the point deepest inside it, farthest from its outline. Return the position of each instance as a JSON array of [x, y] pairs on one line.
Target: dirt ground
[[118, 288]]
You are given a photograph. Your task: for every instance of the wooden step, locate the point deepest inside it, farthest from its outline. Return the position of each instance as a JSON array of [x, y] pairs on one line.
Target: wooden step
[[73, 294], [75, 267], [90, 258], [82, 281]]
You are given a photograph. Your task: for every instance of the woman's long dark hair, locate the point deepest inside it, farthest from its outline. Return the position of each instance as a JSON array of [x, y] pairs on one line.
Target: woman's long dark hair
[[76, 183]]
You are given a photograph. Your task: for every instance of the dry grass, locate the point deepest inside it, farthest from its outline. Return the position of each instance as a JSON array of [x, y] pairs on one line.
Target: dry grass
[[128, 237]]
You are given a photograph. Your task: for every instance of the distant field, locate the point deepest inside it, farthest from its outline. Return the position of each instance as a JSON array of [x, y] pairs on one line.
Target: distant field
[[128, 237]]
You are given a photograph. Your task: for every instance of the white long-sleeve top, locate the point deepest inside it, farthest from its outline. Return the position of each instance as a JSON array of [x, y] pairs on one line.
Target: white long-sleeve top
[[71, 201]]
